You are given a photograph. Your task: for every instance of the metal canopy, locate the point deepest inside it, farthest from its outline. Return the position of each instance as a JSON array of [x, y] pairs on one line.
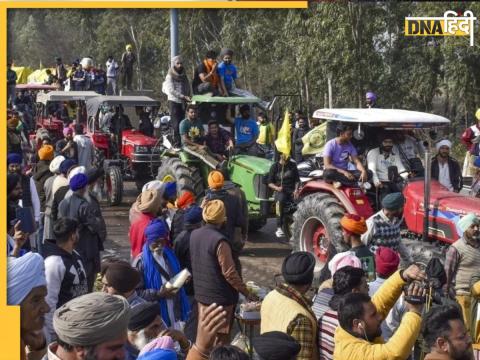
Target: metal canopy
[[66, 96], [198, 99], [126, 101], [383, 117]]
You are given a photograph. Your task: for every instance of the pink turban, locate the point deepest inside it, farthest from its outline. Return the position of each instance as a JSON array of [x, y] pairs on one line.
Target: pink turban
[[343, 259]]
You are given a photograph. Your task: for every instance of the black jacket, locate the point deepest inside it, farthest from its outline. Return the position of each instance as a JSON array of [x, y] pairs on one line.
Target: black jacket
[[454, 170], [41, 174]]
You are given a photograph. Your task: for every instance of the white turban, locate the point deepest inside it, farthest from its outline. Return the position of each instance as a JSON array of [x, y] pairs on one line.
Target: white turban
[[468, 220], [153, 185], [24, 274], [444, 142], [175, 59], [75, 171], [55, 164]]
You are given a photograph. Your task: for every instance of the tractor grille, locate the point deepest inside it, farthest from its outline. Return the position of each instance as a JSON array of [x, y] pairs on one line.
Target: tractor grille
[[146, 158]]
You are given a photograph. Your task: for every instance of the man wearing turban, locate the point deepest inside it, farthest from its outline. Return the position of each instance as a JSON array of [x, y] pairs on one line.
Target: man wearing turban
[[66, 146], [446, 169], [90, 242], [177, 88], [14, 139], [471, 139], [92, 326], [383, 228], [184, 202], [215, 279], [126, 67], [354, 227], [462, 262], [26, 286], [157, 265]]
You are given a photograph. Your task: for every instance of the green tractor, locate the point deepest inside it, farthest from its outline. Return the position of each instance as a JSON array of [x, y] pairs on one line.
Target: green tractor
[[190, 169]]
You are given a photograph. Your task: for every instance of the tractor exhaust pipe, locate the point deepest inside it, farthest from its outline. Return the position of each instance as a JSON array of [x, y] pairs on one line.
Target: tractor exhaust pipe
[[426, 192]]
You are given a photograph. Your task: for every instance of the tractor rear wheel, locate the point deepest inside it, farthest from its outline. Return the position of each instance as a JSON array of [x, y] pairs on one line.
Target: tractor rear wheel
[[114, 185], [256, 224], [185, 176], [316, 227]]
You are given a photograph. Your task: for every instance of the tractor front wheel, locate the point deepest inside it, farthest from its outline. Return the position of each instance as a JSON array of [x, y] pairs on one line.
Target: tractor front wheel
[[114, 185], [185, 176], [316, 227]]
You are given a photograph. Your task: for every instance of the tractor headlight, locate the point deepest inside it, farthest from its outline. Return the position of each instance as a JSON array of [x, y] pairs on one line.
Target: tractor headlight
[[142, 149]]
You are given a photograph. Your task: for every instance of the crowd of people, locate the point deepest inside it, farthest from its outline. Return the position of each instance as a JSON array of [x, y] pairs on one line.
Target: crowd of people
[[176, 296]]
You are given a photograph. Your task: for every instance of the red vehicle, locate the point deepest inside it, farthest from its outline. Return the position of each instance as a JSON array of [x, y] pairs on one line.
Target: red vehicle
[[131, 155], [316, 222], [48, 106]]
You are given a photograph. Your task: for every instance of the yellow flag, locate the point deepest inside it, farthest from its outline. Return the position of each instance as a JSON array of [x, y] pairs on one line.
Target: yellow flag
[[284, 139]]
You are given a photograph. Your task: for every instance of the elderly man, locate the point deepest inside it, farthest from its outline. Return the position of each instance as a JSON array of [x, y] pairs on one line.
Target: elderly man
[[92, 326], [288, 310], [26, 286], [359, 335], [446, 169], [215, 278], [146, 325], [158, 264], [77, 207], [66, 146], [462, 263], [384, 226], [177, 88]]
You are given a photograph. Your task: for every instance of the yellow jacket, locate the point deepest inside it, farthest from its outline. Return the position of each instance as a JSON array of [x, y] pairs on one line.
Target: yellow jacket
[[400, 344]]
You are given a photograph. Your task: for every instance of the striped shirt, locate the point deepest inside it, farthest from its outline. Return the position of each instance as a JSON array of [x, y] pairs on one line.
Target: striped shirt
[[327, 325]]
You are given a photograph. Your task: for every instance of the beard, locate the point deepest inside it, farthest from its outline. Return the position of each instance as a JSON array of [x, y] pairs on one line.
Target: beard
[[141, 340], [465, 354]]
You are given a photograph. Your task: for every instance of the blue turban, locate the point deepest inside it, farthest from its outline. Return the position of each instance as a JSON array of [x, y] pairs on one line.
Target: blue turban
[[476, 163], [78, 182], [393, 201], [170, 190], [67, 165], [23, 275], [159, 354], [193, 215], [156, 229], [14, 158]]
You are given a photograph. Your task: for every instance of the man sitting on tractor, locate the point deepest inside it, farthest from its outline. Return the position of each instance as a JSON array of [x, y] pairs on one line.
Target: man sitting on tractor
[[145, 124], [66, 146], [246, 132], [218, 140], [336, 156], [381, 162], [191, 130], [119, 122], [446, 169]]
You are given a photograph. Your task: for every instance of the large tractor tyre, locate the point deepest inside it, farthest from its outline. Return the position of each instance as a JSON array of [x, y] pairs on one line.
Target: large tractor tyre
[[256, 224], [316, 227], [423, 252], [114, 185], [185, 176]]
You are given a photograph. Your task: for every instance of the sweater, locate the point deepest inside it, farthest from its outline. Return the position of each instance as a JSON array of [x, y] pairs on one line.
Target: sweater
[[400, 344], [468, 265]]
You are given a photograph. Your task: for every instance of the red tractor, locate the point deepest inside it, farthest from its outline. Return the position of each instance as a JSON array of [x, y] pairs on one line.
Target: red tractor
[[125, 153], [316, 222], [50, 106]]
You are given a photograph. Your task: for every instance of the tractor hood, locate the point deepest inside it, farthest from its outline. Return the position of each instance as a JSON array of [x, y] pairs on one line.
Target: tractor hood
[[441, 199], [135, 137], [255, 164]]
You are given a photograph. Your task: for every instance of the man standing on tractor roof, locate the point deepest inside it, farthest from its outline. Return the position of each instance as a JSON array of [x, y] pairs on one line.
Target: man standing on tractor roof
[[177, 87], [227, 72], [384, 226], [128, 59], [11, 83], [337, 154], [471, 139], [462, 263], [446, 169], [60, 72]]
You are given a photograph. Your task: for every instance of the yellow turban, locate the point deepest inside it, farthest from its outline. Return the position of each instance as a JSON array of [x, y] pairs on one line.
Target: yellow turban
[[214, 212], [215, 180], [46, 152], [128, 47], [477, 114]]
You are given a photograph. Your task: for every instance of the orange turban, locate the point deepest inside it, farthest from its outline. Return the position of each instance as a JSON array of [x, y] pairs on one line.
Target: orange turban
[[186, 199], [215, 180], [46, 152], [214, 212], [354, 224]]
